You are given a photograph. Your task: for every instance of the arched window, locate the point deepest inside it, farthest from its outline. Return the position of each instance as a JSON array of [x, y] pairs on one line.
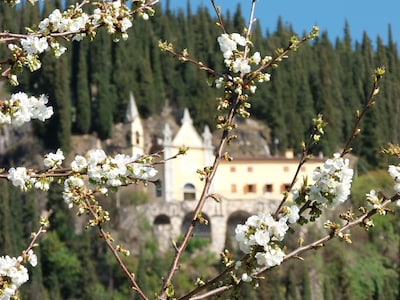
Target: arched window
[[189, 192], [162, 220], [162, 230], [137, 137]]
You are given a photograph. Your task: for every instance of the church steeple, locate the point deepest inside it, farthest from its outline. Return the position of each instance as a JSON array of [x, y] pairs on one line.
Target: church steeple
[[136, 132], [131, 112]]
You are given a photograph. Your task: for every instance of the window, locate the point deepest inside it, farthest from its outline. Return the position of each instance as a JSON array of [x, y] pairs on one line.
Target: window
[[249, 169], [250, 188], [159, 188], [303, 168], [189, 192], [233, 188], [285, 187], [268, 188], [285, 169], [233, 169], [137, 136]]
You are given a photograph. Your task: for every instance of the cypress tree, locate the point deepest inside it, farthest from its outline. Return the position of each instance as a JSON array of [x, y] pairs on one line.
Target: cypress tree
[[102, 90], [348, 80], [327, 95], [371, 132], [81, 89], [5, 218]]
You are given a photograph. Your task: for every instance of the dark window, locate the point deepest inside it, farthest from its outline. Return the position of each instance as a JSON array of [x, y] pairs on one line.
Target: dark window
[[250, 188], [268, 188], [189, 192], [159, 188]]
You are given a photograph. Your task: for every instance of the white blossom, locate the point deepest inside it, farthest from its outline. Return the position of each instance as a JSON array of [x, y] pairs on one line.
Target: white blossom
[[20, 109], [241, 65], [54, 160], [39, 110], [394, 172], [19, 177], [261, 233], [32, 258], [291, 214], [14, 274], [238, 39], [256, 58], [79, 163], [272, 256], [227, 45], [219, 82], [34, 45], [246, 277], [332, 181]]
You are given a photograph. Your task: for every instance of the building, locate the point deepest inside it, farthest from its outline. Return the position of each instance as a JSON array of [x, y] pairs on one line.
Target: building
[[245, 185]]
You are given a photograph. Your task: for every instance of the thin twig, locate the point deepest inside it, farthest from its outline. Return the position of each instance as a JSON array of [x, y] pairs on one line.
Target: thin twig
[[200, 204], [355, 130], [106, 238]]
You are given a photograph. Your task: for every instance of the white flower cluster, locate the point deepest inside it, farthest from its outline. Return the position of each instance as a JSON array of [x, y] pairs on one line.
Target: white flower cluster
[[261, 234], [34, 44], [117, 19], [71, 24], [394, 172], [66, 21], [234, 60], [332, 182], [21, 108], [228, 43], [104, 172], [54, 160], [13, 274], [375, 202], [20, 177]]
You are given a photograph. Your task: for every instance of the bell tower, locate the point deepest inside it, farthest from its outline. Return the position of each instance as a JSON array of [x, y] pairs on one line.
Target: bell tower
[[136, 132]]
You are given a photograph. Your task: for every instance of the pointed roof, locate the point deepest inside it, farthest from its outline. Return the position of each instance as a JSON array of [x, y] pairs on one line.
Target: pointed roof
[[186, 117], [131, 112], [187, 134]]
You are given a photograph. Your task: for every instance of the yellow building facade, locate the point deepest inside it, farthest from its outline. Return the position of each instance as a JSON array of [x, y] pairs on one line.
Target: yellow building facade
[[244, 178], [260, 177]]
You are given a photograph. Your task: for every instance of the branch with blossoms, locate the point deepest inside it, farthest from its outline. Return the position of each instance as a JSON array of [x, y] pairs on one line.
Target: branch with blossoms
[[87, 176], [72, 24], [13, 273], [271, 262], [238, 83], [262, 237]]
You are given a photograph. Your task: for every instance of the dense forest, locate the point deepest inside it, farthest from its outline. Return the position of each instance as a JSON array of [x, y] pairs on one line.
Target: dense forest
[[95, 79]]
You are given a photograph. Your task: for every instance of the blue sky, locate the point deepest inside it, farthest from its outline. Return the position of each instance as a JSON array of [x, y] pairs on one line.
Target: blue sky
[[371, 16]]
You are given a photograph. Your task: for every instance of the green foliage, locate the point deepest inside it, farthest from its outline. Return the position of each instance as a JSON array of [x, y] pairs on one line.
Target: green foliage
[[60, 263], [378, 180], [197, 243], [334, 80]]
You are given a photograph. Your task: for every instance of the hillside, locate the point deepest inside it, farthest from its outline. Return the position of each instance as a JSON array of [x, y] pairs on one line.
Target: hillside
[[335, 80]]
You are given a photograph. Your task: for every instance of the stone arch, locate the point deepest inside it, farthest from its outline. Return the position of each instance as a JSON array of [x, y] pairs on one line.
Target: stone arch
[[200, 230], [162, 220], [162, 230], [237, 217], [189, 191]]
